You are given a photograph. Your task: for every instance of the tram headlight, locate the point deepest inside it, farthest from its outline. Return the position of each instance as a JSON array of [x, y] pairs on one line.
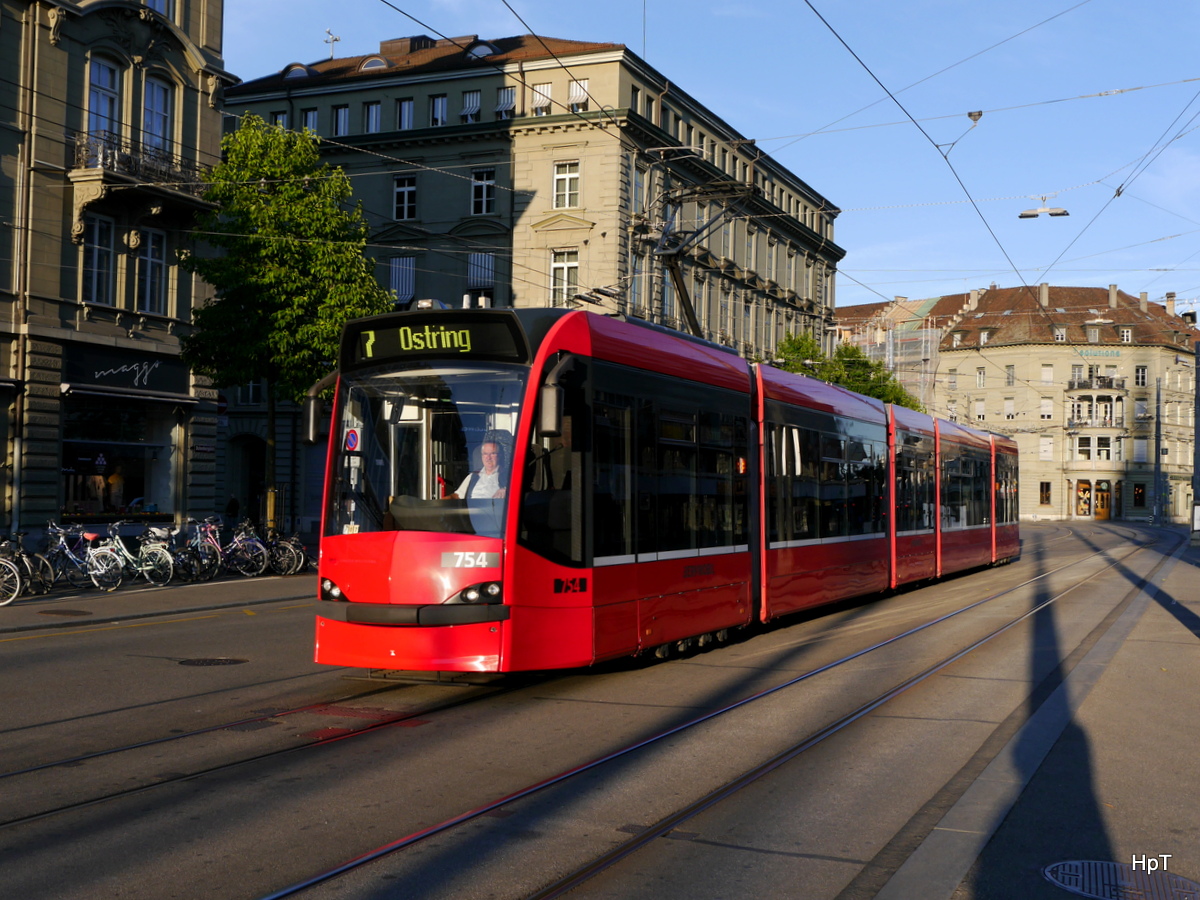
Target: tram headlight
[[484, 592], [330, 591]]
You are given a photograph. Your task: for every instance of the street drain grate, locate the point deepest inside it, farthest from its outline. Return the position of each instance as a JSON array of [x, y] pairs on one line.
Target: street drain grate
[[1118, 881], [63, 612], [213, 661]]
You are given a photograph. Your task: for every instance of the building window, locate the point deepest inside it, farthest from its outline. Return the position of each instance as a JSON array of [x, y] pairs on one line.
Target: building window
[[541, 99], [1047, 373], [481, 271], [404, 115], [635, 283], [402, 278], [406, 197], [308, 119], [98, 259], [952, 410], [506, 102], [372, 117], [983, 337], [483, 192], [279, 119], [341, 121], [1047, 408], [638, 195], [1010, 411], [577, 97], [1093, 334], [163, 7], [635, 99], [566, 184], [979, 411], [952, 380], [1046, 448], [1139, 495], [1083, 448], [1060, 333], [1140, 451], [1076, 373], [955, 339], [437, 110], [1139, 376], [1103, 448], [152, 273], [104, 104], [156, 115], [1126, 335], [1010, 376], [470, 107], [564, 276], [1044, 493], [981, 377]]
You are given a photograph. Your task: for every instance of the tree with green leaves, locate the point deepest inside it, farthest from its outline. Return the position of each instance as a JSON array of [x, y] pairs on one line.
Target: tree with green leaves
[[288, 268], [848, 367]]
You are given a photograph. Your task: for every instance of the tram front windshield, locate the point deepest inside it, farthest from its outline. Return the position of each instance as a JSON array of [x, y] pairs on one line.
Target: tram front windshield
[[425, 449]]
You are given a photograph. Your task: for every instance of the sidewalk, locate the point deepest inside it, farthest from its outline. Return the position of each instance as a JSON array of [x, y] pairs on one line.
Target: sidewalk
[[1098, 789], [65, 607]]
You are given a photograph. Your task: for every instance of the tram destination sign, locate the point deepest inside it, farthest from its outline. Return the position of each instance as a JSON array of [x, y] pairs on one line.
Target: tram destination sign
[[440, 335]]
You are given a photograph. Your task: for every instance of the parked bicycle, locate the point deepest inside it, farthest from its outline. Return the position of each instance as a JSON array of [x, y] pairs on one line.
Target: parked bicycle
[[37, 577], [68, 550], [11, 583], [246, 554], [113, 560]]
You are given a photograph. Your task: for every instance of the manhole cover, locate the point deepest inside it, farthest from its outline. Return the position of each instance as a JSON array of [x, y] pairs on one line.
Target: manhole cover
[[213, 661], [1118, 881], [63, 612]]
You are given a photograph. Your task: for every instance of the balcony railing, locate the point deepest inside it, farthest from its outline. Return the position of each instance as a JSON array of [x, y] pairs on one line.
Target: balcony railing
[[1099, 383], [107, 151], [1097, 422]]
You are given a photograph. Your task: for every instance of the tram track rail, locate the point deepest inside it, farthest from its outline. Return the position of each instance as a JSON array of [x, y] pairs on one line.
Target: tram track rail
[[668, 823]]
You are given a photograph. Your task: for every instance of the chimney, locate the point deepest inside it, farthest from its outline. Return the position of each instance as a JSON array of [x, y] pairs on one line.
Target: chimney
[[1171, 304], [1044, 293], [1112, 296], [1143, 302], [973, 300]]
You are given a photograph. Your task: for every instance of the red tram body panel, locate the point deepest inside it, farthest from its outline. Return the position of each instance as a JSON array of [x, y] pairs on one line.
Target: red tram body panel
[[539, 489]]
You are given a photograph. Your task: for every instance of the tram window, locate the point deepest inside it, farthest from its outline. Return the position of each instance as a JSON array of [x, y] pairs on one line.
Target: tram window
[[555, 487], [613, 498], [834, 520]]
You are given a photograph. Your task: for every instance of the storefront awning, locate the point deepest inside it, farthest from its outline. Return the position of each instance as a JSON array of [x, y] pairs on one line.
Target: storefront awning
[[129, 393]]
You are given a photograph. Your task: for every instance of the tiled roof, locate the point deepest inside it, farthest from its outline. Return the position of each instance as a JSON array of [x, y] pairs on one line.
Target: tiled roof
[[407, 56], [1018, 316]]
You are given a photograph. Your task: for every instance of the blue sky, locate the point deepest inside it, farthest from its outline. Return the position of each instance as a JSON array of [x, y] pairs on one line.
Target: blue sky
[[1094, 104]]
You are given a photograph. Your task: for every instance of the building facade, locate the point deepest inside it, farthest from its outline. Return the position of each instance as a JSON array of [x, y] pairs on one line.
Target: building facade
[[1096, 386], [111, 112], [534, 171]]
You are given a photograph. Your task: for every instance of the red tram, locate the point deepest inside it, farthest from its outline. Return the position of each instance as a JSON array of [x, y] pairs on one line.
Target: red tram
[[536, 489]]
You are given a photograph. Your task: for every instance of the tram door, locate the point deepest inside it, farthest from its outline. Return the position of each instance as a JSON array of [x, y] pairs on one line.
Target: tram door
[[1103, 499]]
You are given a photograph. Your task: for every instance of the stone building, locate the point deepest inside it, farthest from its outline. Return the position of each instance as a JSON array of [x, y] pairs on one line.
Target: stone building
[[110, 114], [1096, 386], [530, 171]]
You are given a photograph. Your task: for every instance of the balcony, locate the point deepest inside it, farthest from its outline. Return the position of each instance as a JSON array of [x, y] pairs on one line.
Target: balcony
[[103, 152], [1097, 422], [1099, 383]]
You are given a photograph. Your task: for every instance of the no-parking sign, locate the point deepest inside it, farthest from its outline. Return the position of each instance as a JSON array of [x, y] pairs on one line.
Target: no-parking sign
[[351, 439]]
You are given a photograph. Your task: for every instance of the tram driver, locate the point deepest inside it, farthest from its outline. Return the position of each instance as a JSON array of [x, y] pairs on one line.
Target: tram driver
[[485, 483]]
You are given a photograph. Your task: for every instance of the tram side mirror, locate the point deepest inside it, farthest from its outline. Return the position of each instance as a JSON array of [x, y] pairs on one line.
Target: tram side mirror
[[550, 418], [313, 407]]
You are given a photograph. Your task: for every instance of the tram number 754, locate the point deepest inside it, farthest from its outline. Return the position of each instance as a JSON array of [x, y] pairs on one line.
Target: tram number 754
[[464, 560]]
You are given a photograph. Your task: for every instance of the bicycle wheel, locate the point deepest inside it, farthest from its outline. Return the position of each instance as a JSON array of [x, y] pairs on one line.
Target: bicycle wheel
[[284, 560], [247, 558], [210, 560], [106, 569], [10, 582], [67, 566], [187, 564], [40, 573], [156, 565]]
